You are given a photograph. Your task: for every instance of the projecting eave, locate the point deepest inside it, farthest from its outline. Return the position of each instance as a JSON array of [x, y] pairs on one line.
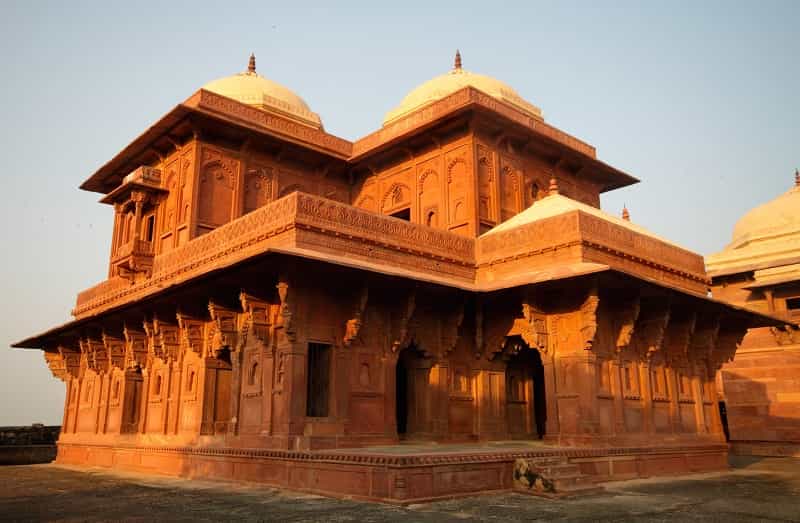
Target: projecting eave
[[223, 115], [110, 175]]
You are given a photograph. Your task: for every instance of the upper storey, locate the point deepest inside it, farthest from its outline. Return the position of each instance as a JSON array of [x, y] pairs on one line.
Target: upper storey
[[462, 154]]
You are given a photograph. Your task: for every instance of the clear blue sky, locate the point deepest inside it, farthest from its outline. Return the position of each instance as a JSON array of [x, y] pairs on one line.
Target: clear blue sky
[[700, 100]]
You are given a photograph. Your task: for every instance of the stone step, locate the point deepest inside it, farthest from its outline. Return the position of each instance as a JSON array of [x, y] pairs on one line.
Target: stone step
[[551, 478]]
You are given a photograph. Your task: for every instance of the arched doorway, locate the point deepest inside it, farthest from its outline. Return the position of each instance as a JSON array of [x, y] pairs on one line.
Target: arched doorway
[[411, 393], [526, 406]]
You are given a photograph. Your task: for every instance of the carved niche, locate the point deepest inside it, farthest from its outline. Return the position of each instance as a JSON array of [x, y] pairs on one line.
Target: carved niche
[[216, 188], [457, 188], [397, 196], [485, 184], [258, 182]]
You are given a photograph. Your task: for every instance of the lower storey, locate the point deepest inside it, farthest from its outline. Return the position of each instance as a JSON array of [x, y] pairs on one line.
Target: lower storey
[[400, 473]]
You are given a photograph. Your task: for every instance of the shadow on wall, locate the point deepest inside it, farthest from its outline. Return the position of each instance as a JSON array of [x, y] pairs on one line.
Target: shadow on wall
[[762, 412]]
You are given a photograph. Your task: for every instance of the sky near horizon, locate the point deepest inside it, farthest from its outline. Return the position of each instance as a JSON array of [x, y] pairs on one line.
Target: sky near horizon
[[699, 100]]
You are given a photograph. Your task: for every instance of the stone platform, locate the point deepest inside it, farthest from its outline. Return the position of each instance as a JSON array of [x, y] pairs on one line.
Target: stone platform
[[404, 474]]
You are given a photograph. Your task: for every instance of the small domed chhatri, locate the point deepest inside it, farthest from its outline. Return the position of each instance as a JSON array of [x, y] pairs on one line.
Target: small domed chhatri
[[253, 89], [458, 78]]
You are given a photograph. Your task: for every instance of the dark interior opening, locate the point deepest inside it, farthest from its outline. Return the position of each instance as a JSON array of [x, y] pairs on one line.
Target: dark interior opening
[[401, 396], [403, 214], [527, 362], [793, 304], [319, 365], [723, 418]]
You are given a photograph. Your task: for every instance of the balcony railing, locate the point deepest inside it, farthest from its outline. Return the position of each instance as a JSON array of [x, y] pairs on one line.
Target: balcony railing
[[135, 255]]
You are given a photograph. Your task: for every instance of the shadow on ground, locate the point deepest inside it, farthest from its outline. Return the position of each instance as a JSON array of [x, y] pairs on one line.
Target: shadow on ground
[[754, 489]]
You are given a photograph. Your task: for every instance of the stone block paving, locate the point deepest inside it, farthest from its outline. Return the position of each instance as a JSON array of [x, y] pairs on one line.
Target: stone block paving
[[754, 490]]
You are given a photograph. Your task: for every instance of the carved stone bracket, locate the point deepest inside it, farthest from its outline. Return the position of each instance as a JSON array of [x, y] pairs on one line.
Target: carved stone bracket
[[704, 339], [136, 349], [191, 333], [651, 326], [353, 325], [450, 328], [223, 333], [163, 340], [286, 312], [72, 361], [627, 321], [56, 364], [255, 319], [95, 355], [403, 339], [679, 334], [115, 347], [728, 340], [589, 317], [478, 327]]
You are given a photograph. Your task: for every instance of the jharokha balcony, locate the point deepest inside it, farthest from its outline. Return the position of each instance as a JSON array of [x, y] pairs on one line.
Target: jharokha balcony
[[133, 256]]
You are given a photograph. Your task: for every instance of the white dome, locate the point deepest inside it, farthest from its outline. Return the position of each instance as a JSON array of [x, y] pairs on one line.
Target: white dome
[[253, 89], [448, 83]]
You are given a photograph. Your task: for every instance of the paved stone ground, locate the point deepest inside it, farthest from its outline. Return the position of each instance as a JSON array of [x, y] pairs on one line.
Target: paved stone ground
[[755, 490]]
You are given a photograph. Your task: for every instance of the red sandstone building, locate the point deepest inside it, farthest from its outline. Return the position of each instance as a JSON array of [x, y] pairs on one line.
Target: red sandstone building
[[286, 306], [760, 269]]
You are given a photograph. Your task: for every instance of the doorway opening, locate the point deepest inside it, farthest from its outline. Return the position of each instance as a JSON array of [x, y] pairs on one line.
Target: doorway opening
[[525, 391], [409, 391]]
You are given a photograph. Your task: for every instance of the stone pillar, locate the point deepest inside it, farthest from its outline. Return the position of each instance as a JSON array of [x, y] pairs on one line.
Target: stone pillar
[[389, 362], [236, 390], [145, 401], [209, 408], [340, 384], [166, 393], [697, 396], [618, 392], [551, 399], [440, 399], [674, 407], [268, 388], [646, 391], [588, 421], [294, 387]]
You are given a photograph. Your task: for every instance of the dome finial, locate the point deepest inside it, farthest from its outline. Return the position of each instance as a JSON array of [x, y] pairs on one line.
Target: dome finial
[[625, 214], [553, 189], [251, 66], [457, 63]]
